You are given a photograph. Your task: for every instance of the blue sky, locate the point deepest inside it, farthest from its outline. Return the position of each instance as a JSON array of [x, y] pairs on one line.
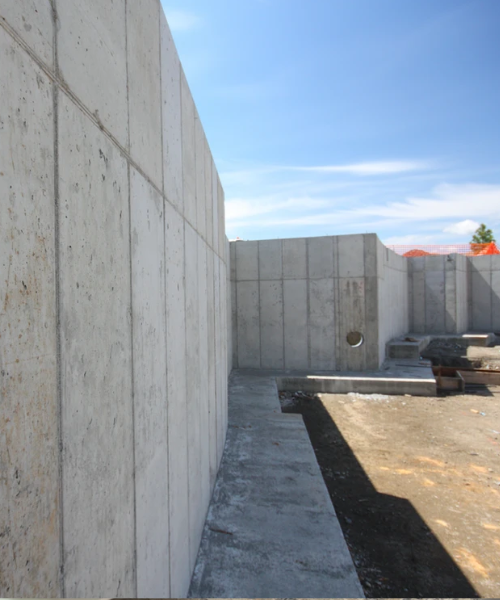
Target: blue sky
[[329, 117]]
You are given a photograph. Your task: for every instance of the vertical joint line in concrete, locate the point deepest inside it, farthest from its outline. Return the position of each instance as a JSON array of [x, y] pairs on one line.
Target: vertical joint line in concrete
[[132, 379], [55, 100]]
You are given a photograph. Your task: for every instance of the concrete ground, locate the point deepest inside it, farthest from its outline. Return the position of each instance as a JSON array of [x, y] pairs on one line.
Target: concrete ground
[[271, 529]]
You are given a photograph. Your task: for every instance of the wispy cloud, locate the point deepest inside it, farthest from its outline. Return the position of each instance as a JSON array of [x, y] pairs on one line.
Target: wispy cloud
[[181, 20], [368, 168]]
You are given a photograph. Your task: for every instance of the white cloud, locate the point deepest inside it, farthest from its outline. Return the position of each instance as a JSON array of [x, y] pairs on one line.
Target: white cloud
[[368, 168], [466, 227], [181, 20]]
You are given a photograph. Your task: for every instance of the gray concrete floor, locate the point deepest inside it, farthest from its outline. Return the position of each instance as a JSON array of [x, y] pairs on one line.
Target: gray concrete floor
[[271, 530]]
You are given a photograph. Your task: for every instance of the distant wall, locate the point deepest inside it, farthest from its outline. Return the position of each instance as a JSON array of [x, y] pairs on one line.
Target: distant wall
[[438, 294], [484, 293], [294, 302], [113, 311]]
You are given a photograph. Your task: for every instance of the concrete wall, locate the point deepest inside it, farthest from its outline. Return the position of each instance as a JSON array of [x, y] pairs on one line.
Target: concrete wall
[[484, 293], [295, 301], [113, 317], [393, 296], [438, 294]]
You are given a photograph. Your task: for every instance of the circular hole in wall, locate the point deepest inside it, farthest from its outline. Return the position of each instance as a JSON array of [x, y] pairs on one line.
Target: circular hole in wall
[[355, 339]]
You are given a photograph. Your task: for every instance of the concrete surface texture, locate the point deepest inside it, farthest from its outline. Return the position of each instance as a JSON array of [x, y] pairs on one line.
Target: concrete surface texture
[[296, 301], [271, 530], [113, 321]]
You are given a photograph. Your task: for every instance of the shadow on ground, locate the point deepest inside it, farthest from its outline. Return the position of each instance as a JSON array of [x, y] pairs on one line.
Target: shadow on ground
[[395, 552]]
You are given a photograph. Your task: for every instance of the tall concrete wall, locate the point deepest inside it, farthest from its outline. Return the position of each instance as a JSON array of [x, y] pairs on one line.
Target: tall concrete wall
[[393, 296], [295, 301], [484, 293], [113, 319]]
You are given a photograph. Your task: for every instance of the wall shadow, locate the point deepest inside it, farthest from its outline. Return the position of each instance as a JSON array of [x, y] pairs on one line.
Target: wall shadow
[[395, 552]]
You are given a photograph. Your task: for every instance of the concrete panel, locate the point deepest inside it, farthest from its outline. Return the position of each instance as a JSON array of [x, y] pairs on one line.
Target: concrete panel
[[294, 259], [295, 323], [32, 20], [481, 300], [171, 114], [29, 485], [378, 327], [322, 324], [351, 256], [270, 260], [209, 196], [451, 300], [320, 257], [371, 254], [351, 317], [215, 208], [211, 385], [222, 223], [180, 573], [92, 50], [435, 300], [418, 302], [232, 260], [247, 261], [462, 297], [417, 263], [204, 499], [234, 325], [481, 263], [201, 195], [495, 262], [144, 87], [434, 263], [150, 388], [247, 298], [96, 362], [495, 301], [218, 350], [193, 388], [188, 152], [222, 373], [271, 324]]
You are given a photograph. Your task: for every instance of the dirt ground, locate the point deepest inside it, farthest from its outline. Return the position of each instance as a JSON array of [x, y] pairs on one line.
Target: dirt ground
[[416, 486]]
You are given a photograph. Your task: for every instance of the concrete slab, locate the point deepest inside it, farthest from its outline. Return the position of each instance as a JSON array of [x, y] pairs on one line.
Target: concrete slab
[[89, 34], [295, 323], [96, 361], [204, 392], [254, 544], [144, 87], [29, 412], [171, 115], [188, 152], [481, 300], [351, 255], [294, 259], [247, 261], [247, 299], [271, 324], [201, 195], [410, 346], [270, 260], [209, 206], [193, 392], [32, 20], [322, 324], [150, 388], [177, 405], [320, 258]]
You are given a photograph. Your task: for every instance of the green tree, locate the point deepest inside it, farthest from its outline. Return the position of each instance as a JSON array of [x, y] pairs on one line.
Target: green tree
[[483, 235]]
